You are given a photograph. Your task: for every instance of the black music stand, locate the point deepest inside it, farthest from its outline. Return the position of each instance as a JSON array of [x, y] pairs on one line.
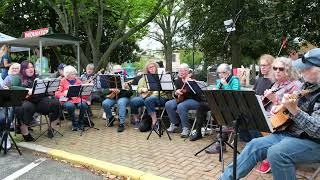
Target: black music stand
[[46, 87], [10, 98], [238, 109], [80, 91], [111, 81], [159, 82]]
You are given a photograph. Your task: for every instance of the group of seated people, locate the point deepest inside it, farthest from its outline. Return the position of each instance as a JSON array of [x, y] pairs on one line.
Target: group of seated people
[[279, 77]]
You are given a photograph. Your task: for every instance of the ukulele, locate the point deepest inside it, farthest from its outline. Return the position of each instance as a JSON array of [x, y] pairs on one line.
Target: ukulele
[[114, 93], [281, 117], [182, 96]]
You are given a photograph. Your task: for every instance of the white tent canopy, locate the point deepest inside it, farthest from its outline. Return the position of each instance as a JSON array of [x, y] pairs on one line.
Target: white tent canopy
[[4, 37]]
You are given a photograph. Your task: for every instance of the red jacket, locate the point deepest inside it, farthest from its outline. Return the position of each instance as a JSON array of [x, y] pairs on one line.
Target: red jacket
[[63, 90]]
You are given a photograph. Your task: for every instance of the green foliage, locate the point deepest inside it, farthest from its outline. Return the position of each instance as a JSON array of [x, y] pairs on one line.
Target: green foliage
[[139, 65], [186, 57], [260, 26]]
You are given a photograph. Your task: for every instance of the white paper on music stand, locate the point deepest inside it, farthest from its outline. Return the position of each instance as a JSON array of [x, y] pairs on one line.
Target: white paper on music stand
[[203, 85], [265, 113], [86, 89], [39, 86], [166, 82], [53, 85]]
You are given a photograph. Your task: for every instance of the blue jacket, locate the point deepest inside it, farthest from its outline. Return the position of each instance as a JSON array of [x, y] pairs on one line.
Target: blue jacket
[[233, 84]]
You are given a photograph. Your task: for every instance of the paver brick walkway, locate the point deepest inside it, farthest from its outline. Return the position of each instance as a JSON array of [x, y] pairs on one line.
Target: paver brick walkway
[[172, 159]]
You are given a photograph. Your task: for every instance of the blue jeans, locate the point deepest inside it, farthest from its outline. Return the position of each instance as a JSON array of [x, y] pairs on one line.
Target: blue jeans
[[122, 104], [2, 121], [152, 102], [282, 151], [182, 108], [71, 107], [135, 103]]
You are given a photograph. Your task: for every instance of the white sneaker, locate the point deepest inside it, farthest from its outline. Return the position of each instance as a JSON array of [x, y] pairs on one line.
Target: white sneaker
[[104, 116], [185, 132], [172, 128]]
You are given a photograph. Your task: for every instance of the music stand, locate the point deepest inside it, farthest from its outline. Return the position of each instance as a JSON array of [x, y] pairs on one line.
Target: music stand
[[108, 81], [10, 98], [80, 91], [46, 87], [159, 82], [112, 81], [238, 109]]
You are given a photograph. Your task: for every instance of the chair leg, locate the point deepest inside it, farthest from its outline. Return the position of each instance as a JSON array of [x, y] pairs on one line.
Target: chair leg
[[193, 125]]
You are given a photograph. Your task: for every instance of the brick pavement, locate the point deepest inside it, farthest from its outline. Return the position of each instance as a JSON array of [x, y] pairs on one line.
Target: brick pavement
[[172, 159]]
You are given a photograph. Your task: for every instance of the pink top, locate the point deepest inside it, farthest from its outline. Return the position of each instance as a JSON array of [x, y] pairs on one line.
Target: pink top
[[63, 90]]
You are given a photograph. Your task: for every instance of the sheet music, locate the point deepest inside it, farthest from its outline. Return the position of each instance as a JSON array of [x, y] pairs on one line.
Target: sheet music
[[166, 82], [39, 86], [266, 114], [53, 85], [87, 89], [203, 85]]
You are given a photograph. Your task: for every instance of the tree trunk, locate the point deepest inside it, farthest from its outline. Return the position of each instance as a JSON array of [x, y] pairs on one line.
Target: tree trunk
[[235, 45]]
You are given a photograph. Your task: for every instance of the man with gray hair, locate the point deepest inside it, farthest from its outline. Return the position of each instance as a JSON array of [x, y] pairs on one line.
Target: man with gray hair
[[186, 99], [89, 76]]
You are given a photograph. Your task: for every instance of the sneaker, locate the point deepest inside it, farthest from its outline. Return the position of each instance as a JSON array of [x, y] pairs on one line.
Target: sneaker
[[215, 148], [8, 144], [28, 138], [74, 128], [121, 128], [264, 167], [104, 116], [172, 128], [195, 135], [185, 132]]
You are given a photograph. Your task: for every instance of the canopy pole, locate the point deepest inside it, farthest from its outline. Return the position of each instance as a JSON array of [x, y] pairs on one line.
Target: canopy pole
[[78, 57], [40, 46], [29, 54]]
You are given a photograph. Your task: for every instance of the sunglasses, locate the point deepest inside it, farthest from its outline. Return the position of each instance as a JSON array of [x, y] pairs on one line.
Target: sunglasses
[[278, 68]]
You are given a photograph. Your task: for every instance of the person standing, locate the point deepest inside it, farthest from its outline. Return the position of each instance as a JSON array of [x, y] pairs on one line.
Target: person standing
[[5, 61]]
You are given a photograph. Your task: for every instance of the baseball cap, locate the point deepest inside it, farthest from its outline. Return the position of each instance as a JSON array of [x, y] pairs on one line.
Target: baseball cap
[[311, 58], [61, 66]]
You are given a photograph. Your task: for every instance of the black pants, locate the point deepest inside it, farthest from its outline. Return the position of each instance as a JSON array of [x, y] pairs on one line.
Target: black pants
[[44, 105], [201, 115]]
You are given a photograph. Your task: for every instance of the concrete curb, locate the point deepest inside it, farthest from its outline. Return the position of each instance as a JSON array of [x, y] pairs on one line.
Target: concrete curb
[[102, 166]]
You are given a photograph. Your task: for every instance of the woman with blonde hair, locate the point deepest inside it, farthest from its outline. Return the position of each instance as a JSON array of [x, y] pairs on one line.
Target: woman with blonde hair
[[13, 78], [5, 61], [286, 82], [149, 99]]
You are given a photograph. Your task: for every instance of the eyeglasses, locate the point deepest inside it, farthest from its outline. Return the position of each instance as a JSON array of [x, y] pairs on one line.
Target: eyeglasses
[[221, 72], [278, 68]]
